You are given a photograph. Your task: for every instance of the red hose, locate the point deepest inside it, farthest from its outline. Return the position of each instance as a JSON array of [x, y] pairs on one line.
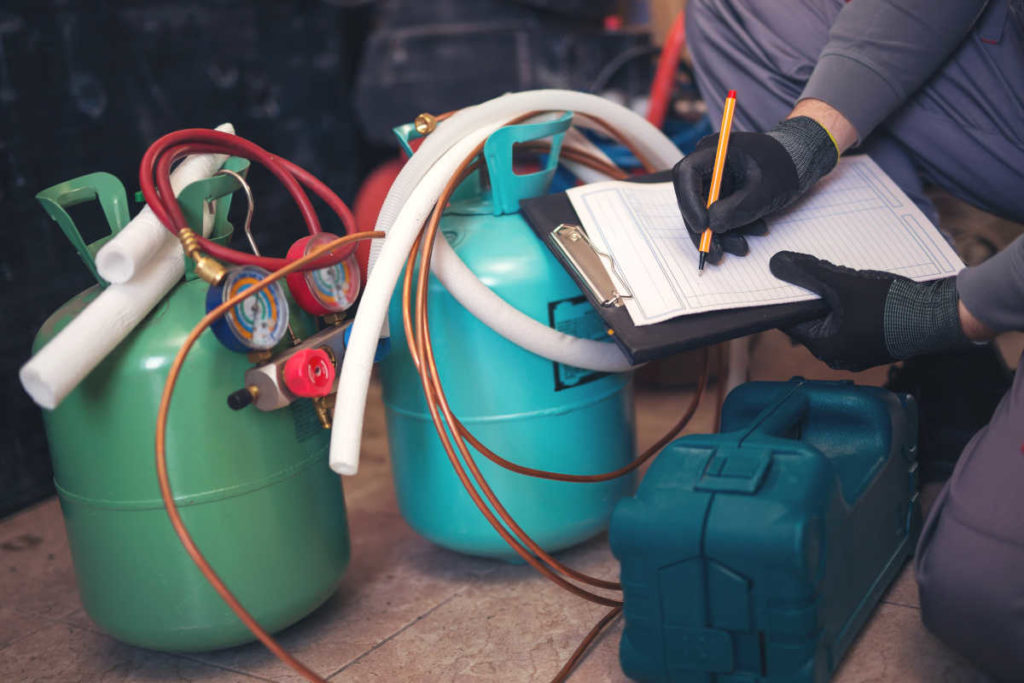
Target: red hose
[[160, 197]]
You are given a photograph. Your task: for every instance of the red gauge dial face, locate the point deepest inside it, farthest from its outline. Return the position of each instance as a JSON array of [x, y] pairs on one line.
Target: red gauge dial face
[[326, 290]]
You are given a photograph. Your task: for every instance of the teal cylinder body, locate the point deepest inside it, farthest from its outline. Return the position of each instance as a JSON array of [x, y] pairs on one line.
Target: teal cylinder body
[[526, 408], [254, 489]]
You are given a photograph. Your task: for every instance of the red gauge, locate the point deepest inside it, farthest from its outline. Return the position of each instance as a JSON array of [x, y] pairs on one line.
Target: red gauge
[[326, 290]]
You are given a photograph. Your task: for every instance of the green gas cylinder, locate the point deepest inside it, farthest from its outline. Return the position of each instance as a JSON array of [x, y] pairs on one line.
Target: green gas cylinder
[[253, 487]]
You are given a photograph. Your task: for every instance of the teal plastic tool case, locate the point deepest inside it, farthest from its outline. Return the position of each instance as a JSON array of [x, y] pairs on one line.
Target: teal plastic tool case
[[757, 554]]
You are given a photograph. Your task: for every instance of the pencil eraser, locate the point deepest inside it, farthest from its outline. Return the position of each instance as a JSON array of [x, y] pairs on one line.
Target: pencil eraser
[[732, 94]]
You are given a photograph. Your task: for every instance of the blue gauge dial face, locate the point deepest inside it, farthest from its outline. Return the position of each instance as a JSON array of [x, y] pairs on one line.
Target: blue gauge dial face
[[260, 321]]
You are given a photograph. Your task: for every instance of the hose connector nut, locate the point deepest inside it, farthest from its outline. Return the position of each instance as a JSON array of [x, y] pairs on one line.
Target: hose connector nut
[[425, 123], [211, 270]]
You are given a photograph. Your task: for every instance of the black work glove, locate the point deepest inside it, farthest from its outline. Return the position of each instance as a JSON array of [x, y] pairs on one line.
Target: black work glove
[[763, 173], [875, 317]]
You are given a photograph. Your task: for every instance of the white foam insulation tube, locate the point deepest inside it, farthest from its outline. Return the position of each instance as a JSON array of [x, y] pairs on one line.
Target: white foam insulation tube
[[130, 249], [57, 368], [409, 202]]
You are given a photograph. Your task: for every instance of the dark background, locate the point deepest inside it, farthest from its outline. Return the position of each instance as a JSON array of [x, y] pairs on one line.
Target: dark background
[[87, 86]]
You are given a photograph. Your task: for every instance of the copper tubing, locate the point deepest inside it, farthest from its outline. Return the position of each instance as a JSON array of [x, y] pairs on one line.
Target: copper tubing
[[578, 155], [621, 139], [161, 452], [577, 655]]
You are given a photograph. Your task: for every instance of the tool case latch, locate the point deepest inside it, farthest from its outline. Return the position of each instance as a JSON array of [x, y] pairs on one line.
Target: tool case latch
[[735, 470]]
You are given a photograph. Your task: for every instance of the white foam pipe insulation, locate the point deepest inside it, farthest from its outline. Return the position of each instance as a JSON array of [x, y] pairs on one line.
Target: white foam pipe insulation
[[407, 205], [57, 368], [130, 249]]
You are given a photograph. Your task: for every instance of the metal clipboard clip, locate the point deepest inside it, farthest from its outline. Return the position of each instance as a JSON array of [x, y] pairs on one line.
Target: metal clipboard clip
[[589, 263]]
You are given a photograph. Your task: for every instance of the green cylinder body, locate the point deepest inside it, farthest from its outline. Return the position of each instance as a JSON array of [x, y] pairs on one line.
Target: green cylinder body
[[254, 489]]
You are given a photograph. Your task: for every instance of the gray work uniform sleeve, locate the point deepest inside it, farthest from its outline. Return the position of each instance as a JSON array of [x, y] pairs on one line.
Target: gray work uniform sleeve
[[880, 51], [994, 291]]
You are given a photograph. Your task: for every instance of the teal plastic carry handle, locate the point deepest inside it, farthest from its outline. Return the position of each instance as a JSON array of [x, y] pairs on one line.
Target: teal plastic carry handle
[[101, 186], [405, 134], [780, 419], [509, 187]]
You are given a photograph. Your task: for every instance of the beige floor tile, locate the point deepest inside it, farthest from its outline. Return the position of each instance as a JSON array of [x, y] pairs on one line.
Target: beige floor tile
[[394, 578], [602, 662], [15, 626], [510, 625], [896, 647], [371, 490], [65, 654], [36, 576], [904, 589]]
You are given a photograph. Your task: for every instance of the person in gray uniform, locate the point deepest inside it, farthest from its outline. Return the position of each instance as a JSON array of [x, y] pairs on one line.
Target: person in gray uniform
[[933, 92]]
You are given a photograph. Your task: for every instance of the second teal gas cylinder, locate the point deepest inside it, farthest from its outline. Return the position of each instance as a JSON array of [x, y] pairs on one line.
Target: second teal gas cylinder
[[527, 409]]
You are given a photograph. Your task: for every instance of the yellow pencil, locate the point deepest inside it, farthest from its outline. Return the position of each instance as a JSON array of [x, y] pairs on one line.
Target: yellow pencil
[[716, 173]]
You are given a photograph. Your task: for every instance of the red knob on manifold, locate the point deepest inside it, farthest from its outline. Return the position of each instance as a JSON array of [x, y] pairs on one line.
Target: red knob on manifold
[[309, 373]]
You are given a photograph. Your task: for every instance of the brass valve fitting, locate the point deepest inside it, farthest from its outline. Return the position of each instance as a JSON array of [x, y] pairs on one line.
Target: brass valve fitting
[[425, 123], [209, 269]]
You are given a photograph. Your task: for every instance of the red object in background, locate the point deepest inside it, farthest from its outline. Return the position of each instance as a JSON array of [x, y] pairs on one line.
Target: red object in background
[[309, 373], [369, 200], [665, 76]]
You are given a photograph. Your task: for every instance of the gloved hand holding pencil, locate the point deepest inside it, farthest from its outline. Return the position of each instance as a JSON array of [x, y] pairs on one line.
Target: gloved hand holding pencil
[[763, 173]]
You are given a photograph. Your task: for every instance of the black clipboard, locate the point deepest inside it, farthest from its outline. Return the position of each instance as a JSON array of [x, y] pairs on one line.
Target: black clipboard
[[554, 212]]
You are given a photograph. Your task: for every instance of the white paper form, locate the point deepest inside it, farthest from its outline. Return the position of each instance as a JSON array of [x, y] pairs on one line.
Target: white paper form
[[856, 217]]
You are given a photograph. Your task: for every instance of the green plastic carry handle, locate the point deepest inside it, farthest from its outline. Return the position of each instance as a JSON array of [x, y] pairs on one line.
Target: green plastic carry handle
[[100, 186], [109, 192], [199, 196]]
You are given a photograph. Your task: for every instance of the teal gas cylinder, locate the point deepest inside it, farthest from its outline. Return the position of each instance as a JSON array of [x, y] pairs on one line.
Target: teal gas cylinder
[[253, 487], [528, 409]]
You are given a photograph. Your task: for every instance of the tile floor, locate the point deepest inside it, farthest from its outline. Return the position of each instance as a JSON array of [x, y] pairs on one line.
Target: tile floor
[[407, 610]]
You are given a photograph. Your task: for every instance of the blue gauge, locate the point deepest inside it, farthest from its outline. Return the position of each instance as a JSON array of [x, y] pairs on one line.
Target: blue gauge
[[257, 323]]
